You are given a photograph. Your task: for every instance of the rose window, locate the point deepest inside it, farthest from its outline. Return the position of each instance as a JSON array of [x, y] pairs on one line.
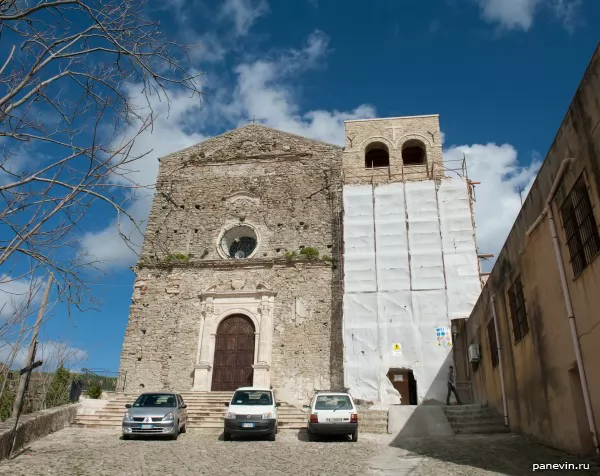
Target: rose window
[[238, 242]]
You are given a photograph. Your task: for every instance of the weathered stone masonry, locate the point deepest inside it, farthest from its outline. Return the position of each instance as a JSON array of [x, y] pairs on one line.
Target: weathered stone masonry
[[285, 188]]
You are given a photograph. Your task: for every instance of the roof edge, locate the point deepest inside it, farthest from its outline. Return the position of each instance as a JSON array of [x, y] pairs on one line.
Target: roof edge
[[262, 126], [391, 118]]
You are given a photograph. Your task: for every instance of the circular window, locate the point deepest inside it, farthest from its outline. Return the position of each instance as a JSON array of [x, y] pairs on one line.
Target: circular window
[[238, 242]]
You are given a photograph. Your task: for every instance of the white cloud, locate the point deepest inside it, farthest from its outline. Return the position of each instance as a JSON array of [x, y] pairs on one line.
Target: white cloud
[[52, 353], [511, 14], [497, 198], [17, 296], [265, 90], [520, 14], [244, 13]]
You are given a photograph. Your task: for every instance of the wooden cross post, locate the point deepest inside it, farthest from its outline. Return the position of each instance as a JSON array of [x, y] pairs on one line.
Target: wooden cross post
[[31, 364], [27, 372]]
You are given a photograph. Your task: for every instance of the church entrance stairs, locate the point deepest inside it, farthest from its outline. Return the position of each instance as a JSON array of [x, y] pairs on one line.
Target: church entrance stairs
[[205, 410]]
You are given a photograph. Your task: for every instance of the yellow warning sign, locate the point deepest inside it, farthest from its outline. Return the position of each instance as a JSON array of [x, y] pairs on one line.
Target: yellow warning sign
[[397, 350]]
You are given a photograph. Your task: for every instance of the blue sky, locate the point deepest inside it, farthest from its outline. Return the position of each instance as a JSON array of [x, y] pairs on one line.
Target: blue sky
[[501, 74]]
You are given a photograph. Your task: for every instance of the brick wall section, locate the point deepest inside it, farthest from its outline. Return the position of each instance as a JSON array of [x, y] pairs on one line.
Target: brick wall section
[[285, 187]]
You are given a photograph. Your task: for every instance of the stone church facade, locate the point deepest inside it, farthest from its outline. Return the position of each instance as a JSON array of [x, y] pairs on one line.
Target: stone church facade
[[241, 275]]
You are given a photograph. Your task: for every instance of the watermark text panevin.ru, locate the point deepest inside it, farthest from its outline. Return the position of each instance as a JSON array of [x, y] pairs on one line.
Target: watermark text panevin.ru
[[559, 466]]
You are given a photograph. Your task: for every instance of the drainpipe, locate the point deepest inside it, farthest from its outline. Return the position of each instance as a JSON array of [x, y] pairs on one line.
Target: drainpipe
[[504, 406], [567, 296]]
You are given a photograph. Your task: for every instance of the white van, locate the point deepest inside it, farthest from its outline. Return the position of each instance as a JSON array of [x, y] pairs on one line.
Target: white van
[[252, 411]]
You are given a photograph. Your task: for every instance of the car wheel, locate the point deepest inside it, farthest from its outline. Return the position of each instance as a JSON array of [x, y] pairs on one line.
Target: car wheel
[[183, 428], [125, 437], [354, 437], [312, 436], [226, 436], [272, 436]]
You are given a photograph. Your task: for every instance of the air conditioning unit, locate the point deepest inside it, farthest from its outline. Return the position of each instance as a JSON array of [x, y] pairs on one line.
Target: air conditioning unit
[[474, 354]]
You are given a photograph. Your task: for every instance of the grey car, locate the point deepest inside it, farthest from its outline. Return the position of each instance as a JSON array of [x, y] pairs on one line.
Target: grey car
[[155, 413]]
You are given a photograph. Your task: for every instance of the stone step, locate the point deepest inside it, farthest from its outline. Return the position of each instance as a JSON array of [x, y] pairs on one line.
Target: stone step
[[205, 423], [469, 414], [281, 411], [491, 422], [471, 406], [472, 416], [482, 429]]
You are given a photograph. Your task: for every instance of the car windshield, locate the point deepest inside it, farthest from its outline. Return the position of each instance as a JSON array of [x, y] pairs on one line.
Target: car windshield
[[156, 400], [252, 397], [333, 402]]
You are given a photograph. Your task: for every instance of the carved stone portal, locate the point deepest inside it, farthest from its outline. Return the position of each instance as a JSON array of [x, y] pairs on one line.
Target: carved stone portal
[[225, 299]]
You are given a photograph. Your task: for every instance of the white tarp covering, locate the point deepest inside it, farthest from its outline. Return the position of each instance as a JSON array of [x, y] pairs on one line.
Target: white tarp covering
[[391, 238], [359, 243], [398, 326], [429, 308], [426, 264], [361, 345], [400, 287], [458, 244]]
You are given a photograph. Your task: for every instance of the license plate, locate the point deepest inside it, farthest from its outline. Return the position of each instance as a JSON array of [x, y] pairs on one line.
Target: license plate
[[335, 419], [147, 427], [247, 425]]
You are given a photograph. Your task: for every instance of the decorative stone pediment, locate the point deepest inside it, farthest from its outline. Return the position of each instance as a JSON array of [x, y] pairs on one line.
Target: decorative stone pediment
[[252, 140], [238, 287], [242, 196]]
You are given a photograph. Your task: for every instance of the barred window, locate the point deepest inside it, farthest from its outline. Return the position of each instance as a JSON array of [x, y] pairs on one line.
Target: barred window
[[491, 330], [580, 227], [517, 310]]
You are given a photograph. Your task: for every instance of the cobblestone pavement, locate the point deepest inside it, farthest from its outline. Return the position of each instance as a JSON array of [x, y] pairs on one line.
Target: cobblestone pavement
[[78, 451]]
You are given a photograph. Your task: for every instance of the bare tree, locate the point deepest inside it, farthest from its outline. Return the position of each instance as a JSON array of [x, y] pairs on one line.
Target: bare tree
[[66, 84]]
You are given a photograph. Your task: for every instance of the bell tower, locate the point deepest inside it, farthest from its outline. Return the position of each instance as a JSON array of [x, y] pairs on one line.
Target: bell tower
[[410, 261]]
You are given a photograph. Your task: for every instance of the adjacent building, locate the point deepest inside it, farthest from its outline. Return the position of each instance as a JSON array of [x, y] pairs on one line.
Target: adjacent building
[[530, 347]]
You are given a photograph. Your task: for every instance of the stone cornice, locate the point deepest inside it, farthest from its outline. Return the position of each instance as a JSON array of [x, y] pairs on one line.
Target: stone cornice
[[252, 263], [236, 293]]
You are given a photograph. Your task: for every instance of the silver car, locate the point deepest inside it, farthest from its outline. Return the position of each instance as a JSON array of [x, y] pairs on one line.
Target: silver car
[[155, 413]]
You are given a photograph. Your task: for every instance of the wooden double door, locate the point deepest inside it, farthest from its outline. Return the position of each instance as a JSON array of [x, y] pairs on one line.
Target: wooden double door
[[234, 354]]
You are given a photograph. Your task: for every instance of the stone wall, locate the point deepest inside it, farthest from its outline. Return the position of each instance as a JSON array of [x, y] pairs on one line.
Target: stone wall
[[286, 188], [34, 426], [277, 183]]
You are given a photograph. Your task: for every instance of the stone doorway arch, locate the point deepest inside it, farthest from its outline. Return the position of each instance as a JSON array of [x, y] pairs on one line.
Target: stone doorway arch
[[234, 354]]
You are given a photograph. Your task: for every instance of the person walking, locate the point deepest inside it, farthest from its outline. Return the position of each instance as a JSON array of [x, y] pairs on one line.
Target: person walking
[[452, 387]]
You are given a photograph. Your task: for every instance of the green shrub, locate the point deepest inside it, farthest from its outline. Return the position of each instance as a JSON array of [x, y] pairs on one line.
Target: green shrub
[[7, 401], [327, 258], [59, 390], [290, 255], [309, 252], [177, 257], [95, 391]]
